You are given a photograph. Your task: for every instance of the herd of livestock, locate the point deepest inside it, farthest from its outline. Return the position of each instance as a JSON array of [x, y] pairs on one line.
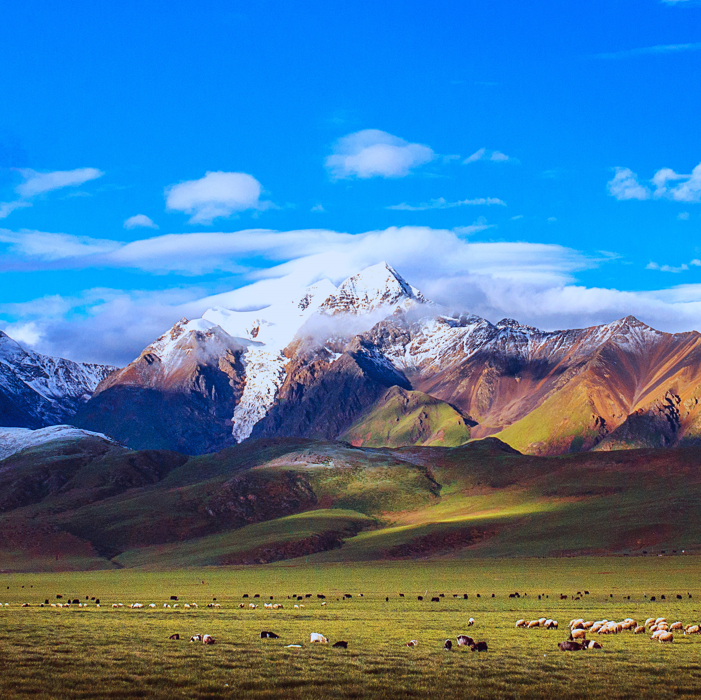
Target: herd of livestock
[[657, 627]]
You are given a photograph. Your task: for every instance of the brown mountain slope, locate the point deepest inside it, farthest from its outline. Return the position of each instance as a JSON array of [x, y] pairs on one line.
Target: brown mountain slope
[[546, 393], [185, 404]]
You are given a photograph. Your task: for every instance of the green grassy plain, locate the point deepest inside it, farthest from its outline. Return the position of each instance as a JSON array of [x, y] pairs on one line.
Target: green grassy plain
[[123, 653]]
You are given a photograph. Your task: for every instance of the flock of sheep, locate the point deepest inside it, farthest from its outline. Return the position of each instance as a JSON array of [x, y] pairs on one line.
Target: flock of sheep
[[658, 627]]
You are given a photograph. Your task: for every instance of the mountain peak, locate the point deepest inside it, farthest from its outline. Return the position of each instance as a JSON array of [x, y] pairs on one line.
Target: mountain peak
[[374, 287]]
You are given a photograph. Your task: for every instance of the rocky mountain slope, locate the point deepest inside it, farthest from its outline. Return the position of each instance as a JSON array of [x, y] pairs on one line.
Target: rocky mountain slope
[[38, 390], [323, 362]]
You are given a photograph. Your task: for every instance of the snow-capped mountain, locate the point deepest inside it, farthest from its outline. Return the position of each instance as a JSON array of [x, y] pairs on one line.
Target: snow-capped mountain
[[38, 390], [245, 354], [315, 364]]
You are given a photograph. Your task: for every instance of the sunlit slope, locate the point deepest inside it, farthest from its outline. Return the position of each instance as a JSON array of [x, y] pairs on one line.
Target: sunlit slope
[[404, 417]]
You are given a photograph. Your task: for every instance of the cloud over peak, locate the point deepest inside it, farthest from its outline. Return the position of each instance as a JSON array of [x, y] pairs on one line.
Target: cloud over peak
[[217, 194], [374, 153]]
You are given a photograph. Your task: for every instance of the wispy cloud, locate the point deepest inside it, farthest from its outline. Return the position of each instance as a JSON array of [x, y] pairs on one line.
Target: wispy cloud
[[375, 153], [442, 203], [39, 245], [37, 183], [494, 156], [139, 221], [6, 208], [217, 194], [659, 49]]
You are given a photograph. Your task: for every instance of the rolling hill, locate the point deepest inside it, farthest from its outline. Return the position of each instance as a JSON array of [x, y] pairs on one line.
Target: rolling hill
[[86, 502]]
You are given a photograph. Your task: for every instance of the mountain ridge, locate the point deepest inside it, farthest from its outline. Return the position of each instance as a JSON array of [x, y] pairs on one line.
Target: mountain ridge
[[320, 361]]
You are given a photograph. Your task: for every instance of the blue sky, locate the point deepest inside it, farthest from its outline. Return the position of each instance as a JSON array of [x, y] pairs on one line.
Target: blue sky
[[533, 160]]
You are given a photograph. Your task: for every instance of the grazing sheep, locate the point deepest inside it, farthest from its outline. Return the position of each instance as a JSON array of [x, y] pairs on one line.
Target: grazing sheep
[[340, 645], [666, 637], [521, 623], [649, 621], [448, 645], [252, 606], [269, 635], [175, 636], [465, 641], [196, 638], [471, 622], [692, 629], [207, 639], [676, 626], [480, 646], [316, 638], [579, 634], [241, 605], [532, 624], [639, 630], [591, 644], [412, 643]]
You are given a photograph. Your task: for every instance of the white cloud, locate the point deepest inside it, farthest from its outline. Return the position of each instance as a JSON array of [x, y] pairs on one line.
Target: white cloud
[[625, 185], [517, 217], [6, 208], [375, 153], [683, 216], [442, 203], [318, 208], [484, 154], [552, 219], [690, 189], [659, 49], [54, 246], [667, 268], [216, 194], [139, 221], [477, 155], [37, 183]]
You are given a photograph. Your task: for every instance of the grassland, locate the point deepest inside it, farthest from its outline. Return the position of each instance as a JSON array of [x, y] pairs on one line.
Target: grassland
[[124, 653]]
